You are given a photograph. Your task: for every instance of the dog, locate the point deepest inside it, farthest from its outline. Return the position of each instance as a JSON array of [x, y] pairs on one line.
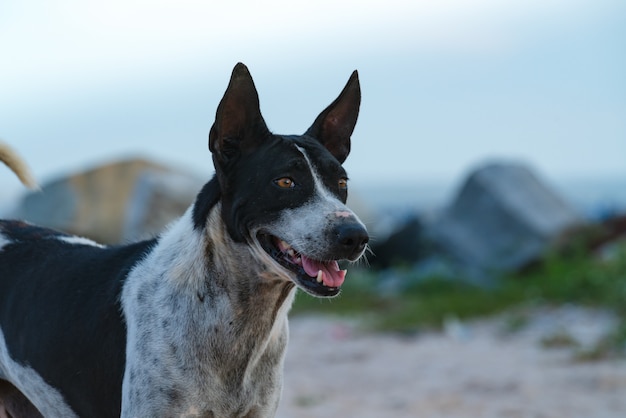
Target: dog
[[192, 323]]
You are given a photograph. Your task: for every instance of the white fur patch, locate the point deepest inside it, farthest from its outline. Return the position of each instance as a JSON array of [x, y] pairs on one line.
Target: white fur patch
[[174, 265], [47, 399], [74, 240], [322, 192]]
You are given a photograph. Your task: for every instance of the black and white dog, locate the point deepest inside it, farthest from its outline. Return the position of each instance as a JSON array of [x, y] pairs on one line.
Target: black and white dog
[[194, 322]]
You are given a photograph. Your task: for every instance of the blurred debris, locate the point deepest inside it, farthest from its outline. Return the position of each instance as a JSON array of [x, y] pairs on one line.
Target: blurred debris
[[612, 235], [455, 329], [115, 202], [605, 238]]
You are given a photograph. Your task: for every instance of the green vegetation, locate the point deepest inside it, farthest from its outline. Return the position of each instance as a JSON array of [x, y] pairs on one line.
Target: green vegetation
[[578, 278]]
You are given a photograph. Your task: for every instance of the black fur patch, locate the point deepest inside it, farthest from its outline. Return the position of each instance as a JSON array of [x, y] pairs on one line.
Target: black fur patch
[[72, 297], [207, 198]]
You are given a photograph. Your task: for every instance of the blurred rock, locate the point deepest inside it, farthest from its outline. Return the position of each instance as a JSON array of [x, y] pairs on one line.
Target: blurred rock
[[503, 218], [115, 202]]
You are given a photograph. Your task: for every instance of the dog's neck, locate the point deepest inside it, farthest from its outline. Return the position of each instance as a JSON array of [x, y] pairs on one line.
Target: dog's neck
[[258, 295], [214, 269], [223, 311], [208, 261]]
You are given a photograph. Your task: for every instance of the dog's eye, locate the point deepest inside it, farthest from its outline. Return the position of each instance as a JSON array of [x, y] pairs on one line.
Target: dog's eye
[[343, 184], [285, 183]]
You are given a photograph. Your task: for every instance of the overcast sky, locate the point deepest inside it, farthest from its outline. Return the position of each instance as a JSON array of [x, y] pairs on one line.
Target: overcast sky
[[446, 84]]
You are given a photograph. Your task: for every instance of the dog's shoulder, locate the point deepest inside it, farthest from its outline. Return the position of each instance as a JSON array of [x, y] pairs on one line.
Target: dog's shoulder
[[20, 241], [22, 231], [21, 237]]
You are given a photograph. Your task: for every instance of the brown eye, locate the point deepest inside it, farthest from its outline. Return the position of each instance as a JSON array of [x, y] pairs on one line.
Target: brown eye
[[285, 183], [343, 184]]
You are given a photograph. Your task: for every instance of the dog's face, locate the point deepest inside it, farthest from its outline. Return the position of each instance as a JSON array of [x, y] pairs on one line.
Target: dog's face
[[286, 195]]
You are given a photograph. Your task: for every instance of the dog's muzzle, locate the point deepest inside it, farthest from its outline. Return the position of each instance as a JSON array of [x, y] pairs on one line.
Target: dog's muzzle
[[319, 274]]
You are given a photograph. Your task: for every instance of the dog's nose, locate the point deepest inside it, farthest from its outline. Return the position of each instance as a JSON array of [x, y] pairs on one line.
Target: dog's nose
[[352, 239]]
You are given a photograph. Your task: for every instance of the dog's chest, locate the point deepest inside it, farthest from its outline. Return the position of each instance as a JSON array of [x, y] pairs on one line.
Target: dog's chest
[[192, 357], [210, 377], [241, 378], [232, 390]]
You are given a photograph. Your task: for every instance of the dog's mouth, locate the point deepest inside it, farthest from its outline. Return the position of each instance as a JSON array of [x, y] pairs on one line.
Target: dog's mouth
[[318, 278]]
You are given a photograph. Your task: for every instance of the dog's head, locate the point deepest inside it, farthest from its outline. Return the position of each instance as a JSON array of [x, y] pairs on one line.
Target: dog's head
[[286, 194]]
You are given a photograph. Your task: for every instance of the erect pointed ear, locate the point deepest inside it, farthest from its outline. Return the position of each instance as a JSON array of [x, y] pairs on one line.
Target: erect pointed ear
[[334, 126], [238, 122]]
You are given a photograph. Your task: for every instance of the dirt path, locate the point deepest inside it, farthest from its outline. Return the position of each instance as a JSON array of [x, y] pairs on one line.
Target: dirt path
[[472, 370]]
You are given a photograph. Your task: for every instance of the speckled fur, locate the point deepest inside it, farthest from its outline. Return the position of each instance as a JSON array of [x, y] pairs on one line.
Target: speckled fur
[[193, 350]]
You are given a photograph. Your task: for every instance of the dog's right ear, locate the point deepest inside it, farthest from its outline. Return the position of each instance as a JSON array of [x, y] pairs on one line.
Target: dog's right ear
[[238, 122], [334, 126]]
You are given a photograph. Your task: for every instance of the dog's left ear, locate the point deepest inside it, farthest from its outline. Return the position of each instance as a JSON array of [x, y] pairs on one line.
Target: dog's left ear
[[238, 122], [334, 126]]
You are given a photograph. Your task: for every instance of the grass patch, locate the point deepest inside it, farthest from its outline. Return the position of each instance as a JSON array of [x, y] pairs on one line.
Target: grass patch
[[422, 304], [580, 279]]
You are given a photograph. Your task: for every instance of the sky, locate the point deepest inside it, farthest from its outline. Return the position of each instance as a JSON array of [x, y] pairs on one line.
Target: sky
[[446, 84]]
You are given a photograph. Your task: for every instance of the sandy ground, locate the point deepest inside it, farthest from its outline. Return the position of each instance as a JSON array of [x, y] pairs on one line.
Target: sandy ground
[[476, 369]]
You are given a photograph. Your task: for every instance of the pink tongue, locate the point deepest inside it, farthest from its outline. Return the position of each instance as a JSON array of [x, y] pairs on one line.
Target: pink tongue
[[331, 275]]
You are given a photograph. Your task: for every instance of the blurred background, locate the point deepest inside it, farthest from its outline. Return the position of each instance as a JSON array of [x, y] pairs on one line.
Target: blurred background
[[489, 160]]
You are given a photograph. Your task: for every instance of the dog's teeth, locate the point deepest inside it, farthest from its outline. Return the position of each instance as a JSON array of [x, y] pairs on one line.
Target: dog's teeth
[[298, 260], [284, 244], [319, 276], [291, 252]]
